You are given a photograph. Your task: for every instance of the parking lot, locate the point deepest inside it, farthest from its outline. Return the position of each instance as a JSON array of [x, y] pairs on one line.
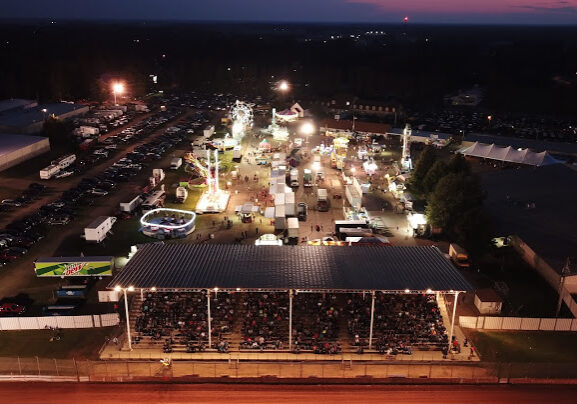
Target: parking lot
[[65, 207]]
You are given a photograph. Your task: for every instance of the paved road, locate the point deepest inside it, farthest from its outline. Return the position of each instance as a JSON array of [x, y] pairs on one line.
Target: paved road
[[212, 393]]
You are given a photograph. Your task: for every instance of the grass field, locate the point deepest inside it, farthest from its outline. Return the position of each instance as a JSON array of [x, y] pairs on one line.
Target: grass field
[[74, 343], [526, 346]]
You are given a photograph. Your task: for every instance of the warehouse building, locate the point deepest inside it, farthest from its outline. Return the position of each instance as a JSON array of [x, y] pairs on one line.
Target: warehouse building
[[15, 149], [26, 119]]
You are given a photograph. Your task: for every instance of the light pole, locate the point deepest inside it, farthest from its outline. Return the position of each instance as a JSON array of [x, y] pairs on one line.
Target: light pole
[[283, 86], [130, 289], [117, 88], [307, 129], [44, 111]]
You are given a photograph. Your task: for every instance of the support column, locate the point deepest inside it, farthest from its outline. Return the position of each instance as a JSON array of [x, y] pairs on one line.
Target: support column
[[141, 294], [453, 319], [372, 319], [290, 319], [127, 321], [209, 321]]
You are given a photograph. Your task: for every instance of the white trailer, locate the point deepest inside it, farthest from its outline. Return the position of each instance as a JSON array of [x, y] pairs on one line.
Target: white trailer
[[181, 194], [97, 231], [129, 207], [158, 174], [294, 175], [88, 130], [289, 204], [322, 200], [279, 199], [49, 172], [66, 161], [208, 131], [175, 163], [293, 227], [237, 153], [279, 218]]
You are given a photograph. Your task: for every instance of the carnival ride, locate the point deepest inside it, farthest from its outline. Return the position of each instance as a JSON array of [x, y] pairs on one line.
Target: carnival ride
[[166, 223], [406, 162], [279, 133], [242, 119], [214, 199]]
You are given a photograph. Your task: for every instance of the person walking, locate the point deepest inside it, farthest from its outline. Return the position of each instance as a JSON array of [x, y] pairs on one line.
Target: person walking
[[445, 352]]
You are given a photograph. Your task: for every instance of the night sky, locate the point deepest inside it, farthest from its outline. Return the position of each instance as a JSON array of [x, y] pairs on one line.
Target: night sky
[[419, 11]]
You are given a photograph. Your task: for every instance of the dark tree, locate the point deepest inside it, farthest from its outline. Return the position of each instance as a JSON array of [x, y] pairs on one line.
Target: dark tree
[[437, 171], [454, 195], [459, 164], [56, 130], [422, 167]]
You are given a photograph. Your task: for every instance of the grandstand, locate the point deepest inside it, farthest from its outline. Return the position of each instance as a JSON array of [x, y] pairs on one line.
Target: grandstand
[[193, 297]]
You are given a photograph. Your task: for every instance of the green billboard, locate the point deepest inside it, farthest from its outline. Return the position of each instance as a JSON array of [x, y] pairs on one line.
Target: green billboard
[[74, 266]]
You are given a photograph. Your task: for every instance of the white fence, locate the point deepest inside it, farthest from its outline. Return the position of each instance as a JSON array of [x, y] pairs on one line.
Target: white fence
[[518, 323], [38, 323]]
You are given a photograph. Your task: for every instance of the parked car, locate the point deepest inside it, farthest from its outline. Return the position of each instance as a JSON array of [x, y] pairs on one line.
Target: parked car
[[98, 192], [23, 242], [59, 220], [11, 309], [37, 187], [11, 202]]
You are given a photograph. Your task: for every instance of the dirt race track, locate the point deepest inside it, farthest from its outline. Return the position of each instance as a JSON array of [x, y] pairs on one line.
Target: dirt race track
[[211, 393]]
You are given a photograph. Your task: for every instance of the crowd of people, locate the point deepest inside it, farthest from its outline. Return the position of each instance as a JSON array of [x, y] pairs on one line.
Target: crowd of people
[[183, 318], [401, 322], [315, 322], [265, 323]]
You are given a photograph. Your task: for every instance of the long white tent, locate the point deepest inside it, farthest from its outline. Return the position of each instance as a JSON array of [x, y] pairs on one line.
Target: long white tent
[[509, 154]]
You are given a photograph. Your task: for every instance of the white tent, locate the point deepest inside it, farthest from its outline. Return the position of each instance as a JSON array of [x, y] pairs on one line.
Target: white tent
[[509, 154]]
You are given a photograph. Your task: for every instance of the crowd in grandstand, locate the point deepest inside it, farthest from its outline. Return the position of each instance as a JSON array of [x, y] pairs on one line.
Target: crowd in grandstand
[[265, 320], [402, 322], [183, 317]]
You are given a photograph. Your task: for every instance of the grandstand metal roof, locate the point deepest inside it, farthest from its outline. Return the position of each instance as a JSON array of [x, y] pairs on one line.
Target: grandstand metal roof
[[249, 267]]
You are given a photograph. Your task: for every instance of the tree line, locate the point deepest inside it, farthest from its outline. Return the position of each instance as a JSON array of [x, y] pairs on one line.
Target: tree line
[[454, 198]]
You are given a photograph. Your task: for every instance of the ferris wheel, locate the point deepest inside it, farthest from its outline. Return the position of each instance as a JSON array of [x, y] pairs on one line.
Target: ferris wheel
[[241, 113]]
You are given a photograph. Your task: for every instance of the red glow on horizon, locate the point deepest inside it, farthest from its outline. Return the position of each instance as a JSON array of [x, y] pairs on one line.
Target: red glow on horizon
[[406, 19]]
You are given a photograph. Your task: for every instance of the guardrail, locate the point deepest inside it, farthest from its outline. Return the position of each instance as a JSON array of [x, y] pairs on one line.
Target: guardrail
[[518, 323], [39, 323], [237, 371]]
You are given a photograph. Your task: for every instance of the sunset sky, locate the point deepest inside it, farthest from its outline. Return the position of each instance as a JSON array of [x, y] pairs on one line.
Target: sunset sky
[[419, 11]]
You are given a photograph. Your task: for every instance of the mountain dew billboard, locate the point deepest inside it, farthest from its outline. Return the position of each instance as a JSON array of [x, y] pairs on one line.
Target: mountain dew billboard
[[74, 266]]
